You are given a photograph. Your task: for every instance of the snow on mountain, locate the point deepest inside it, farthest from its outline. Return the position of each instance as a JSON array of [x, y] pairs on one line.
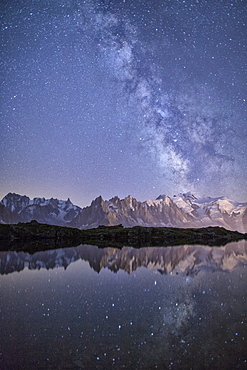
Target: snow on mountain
[[213, 211], [51, 211], [182, 210], [15, 202]]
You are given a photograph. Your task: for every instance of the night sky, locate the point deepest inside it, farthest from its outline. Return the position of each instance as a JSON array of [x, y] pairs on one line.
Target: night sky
[[136, 97]]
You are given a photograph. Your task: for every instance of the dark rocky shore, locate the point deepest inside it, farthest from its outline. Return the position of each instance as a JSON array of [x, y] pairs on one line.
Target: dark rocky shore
[[33, 236]]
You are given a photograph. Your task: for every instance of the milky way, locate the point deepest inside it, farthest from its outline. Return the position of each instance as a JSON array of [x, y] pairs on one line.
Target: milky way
[[123, 97]]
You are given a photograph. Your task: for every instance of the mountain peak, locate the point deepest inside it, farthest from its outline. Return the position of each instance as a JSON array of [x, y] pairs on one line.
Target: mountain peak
[[114, 199], [97, 200], [187, 195], [15, 202], [161, 196]]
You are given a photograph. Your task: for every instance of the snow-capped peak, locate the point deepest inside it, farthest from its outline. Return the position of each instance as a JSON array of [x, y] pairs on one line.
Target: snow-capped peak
[[51, 210]]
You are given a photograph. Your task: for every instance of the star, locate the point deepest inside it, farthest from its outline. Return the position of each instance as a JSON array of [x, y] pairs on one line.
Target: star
[[123, 97]]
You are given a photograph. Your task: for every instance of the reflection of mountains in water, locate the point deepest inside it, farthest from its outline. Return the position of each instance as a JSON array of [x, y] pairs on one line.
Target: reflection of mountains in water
[[185, 259]]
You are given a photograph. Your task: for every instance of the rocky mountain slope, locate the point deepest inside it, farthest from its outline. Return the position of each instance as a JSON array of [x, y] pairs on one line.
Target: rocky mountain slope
[[7, 216], [182, 210], [51, 211], [130, 212]]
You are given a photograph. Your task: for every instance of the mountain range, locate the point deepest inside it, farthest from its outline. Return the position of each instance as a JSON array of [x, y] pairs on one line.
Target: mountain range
[[182, 210], [183, 260]]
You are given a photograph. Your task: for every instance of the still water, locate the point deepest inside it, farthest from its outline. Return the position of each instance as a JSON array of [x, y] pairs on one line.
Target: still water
[[179, 307]]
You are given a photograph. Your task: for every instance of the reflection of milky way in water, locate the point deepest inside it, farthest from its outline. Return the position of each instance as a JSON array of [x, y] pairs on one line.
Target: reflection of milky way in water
[[177, 314], [91, 317]]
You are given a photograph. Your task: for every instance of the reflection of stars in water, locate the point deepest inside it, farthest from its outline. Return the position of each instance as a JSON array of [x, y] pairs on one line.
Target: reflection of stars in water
[[123, 319]]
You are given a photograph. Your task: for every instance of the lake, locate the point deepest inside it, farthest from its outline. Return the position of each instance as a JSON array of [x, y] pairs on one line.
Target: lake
[[86, 307]]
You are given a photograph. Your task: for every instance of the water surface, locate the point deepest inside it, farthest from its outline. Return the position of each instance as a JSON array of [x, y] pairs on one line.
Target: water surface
[[151, 308]]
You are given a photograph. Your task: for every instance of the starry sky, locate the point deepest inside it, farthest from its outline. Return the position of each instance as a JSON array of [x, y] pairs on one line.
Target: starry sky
[[136, 97]]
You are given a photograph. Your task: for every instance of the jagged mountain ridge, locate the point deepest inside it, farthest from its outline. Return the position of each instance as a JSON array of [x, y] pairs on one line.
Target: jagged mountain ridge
[[182, 210], [51, 211], [131, 212], [183, 260]]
